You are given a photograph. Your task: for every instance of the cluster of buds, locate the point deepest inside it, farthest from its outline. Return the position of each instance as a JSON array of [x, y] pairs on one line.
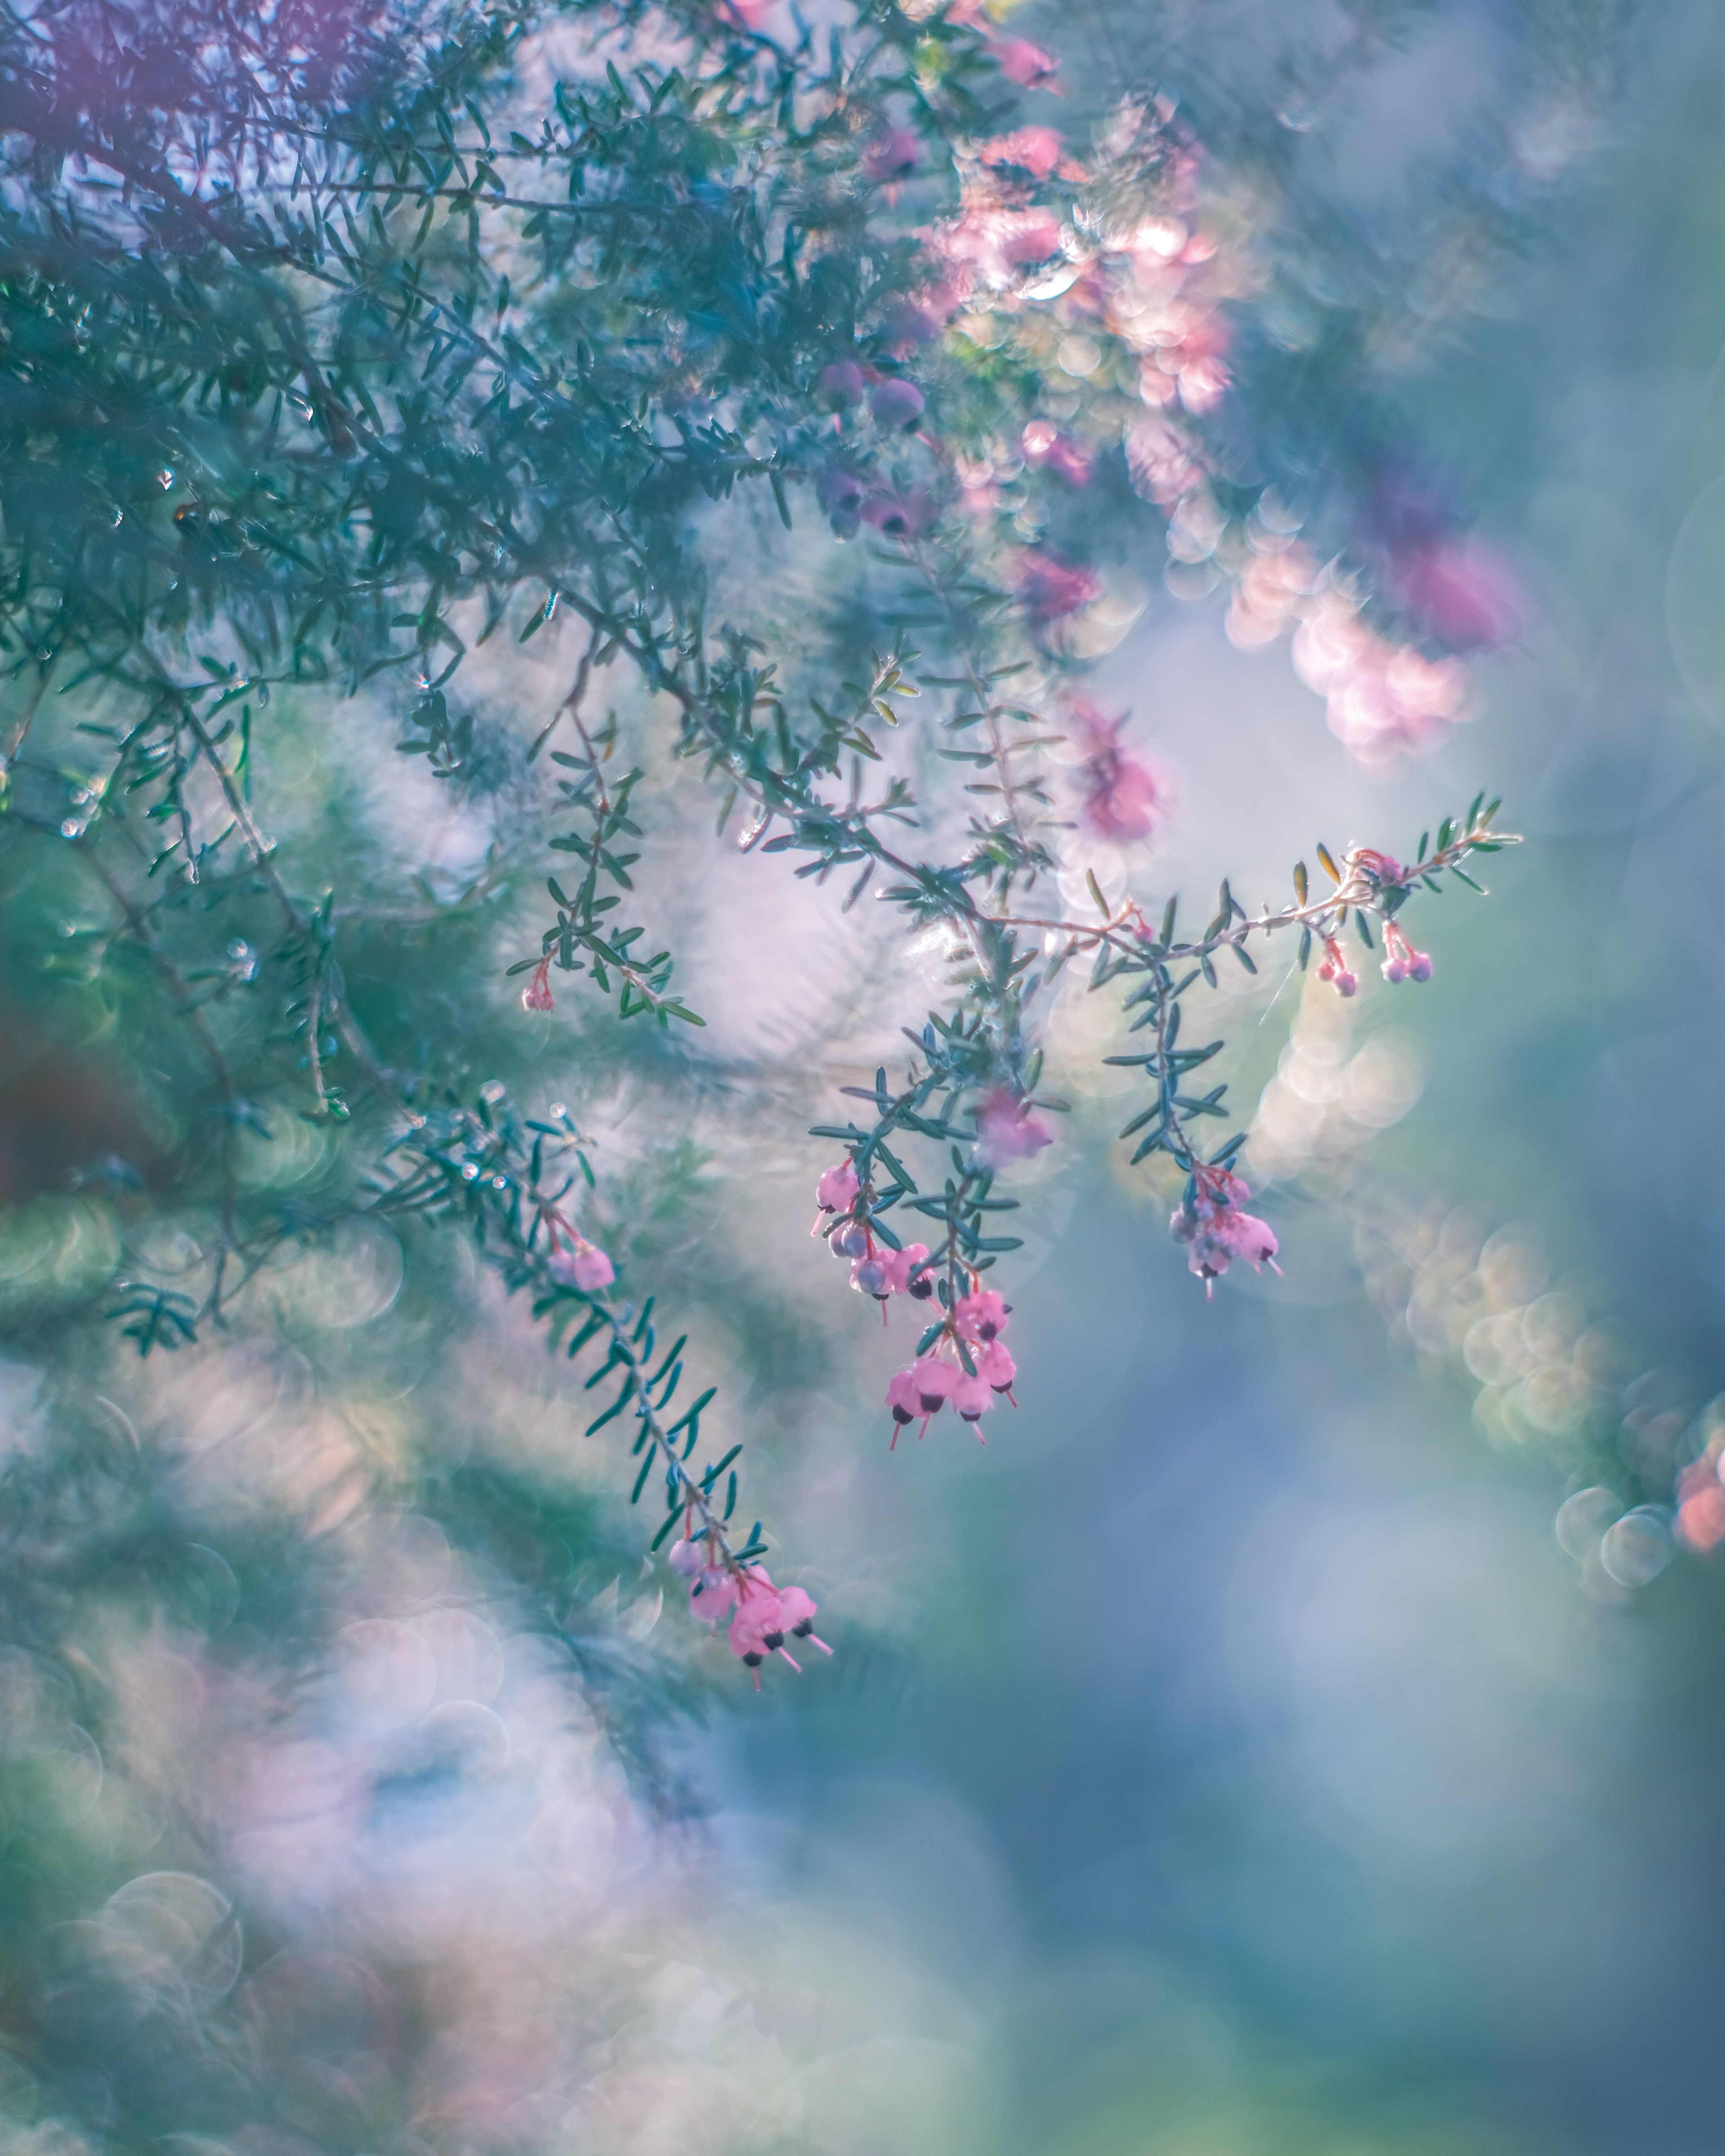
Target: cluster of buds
[[536, 995], [1401, 961], [759, 1617], [875, 1269], [1366, 875], [1208, 1220], [969, 1364]]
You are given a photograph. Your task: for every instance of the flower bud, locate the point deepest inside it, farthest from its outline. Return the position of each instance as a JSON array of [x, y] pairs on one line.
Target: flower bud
[[685, 1558], [896, 403], [836, 1191], [849, 1241]]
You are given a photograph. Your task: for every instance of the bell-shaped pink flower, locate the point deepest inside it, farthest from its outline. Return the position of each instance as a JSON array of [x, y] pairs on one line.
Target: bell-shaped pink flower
[[973, 1397], [1024, 64], [899, 1265], [904, 1400], [837, 1189], [993, 1362], [712, 1594], [934, 1381], [1006, 1130], [896, 403], [981, 1314], [841, 383], [684, 1558], [798, 1611], [583, 1265]]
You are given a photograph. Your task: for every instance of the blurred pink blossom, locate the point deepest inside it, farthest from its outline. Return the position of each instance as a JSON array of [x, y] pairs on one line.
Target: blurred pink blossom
[[1045, 445], [1037, 151], [1024, 64], [1120, 795], [890, 157], [1006, 1130], [1053, 589]]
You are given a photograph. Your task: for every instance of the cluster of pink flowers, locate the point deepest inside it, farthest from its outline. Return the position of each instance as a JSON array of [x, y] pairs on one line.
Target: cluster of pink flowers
[[1007, 1129], [969, 1365], [1216, 1231], [536, 995], [875, 1268], [759, 1617]]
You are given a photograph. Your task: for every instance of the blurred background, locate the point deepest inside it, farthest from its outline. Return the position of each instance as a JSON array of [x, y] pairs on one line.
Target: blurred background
[[1232, 1758]]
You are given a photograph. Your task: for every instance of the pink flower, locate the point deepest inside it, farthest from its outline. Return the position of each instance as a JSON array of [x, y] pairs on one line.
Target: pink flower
[[536, 995], [1121, 795], [684, 1558], [1024, 64], [899, 515], [1053, 589], [870, 1276], [1037, 151], [1045, 445], [981, 1314], [905, 1401], [840, 494], [751, 13], [994, 1362], [836, 1191], [899, 1265], [1463, 595], [583, 1265], [798, 1611], [973, 1397], [934, 1380], [891, 155], [841, 383], [896, 403], [712, 1594], [1006, 1130]]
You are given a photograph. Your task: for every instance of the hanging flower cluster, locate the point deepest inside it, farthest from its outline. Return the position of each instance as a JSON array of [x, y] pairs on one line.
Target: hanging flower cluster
[[759, 1617], [1209, 1221], [967, 1364]]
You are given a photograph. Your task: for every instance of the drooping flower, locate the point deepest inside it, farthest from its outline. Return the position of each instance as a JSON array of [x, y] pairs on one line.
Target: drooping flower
[[1401, 961], [973, 1397], [899, 1266], [981, 1314], [934, 1382], [1024, 64], [1007, 1130], [994, 1361], [536, 995], [896, 403], [837, 1189], [841, 383], [840, 493], [582, 1266]]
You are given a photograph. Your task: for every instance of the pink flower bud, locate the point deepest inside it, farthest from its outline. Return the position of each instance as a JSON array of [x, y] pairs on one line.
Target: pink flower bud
[[869, 1277], [685, 1558], [849, 1241], [536, 995], [1394, 968], [1006, 1130], [836, 1191], [896, 403], [1420, 968], [1346, 982]]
